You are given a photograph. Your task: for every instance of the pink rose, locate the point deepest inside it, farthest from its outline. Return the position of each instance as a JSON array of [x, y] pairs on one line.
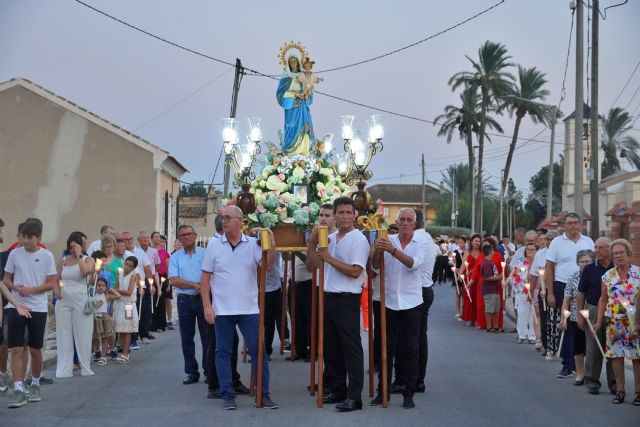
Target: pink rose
[[231, 202], [322, 193], [281, 177], [261, 209], [306, 208]]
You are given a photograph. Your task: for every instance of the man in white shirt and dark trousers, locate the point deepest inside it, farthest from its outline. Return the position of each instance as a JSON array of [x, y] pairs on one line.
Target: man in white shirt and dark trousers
[[345, 261], [561, 265], [404, 258], [229, 280]]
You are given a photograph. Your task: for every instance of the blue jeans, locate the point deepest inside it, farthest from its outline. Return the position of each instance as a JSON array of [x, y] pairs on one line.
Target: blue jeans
[[225, 328], [190, 312]]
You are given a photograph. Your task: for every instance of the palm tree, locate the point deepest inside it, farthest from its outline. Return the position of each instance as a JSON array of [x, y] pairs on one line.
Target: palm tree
[[465, 119], [490, 76], [616, 125], [521, 99]]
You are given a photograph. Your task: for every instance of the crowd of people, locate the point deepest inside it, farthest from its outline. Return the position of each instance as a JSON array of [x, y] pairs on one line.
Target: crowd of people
[[571, 297], [574, 299]]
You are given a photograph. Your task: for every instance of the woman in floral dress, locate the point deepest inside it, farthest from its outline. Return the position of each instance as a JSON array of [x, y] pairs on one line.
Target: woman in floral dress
[[616, 309]]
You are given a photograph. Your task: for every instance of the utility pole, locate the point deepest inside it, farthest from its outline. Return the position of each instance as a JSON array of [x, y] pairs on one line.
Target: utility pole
[[502, 185], [554, 115], [472, 171], [424, 197], [578, 153], [234, 103], [595, 134]]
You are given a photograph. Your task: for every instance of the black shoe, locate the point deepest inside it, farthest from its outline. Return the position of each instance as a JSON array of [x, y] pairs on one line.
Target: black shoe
[[170, 326], [349, 405], [240, 388], [593, 391], [190, 379], [396, 389], [564, 373], [333, 398], [578, 382], [151, 337], [378, 400], [307, 359], [296, 358], [46, 380], [420, 388], [214, 394], [408, 402]]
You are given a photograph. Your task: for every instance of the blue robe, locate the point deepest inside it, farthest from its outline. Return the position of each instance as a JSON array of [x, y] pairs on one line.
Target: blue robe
[[297, 117]]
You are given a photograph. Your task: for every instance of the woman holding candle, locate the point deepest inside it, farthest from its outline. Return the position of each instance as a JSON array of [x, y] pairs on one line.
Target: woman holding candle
[[125, 315], [468, 264], [620, 285], [458, 256], [522, 295], [575, 337], [73, 325], [112, 262]]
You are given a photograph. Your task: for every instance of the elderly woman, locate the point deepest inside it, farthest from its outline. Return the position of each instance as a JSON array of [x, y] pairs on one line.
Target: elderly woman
[[619, 298], [574, 336]]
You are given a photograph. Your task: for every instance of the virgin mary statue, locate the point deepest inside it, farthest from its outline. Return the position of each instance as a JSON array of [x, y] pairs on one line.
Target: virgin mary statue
[[298, 127]]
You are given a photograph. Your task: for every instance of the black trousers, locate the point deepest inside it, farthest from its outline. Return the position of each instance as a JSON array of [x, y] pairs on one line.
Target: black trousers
[[376, 335], [423, 350], [272, 318], [210, 361], [303, 317], [343, 345], [145, 316], [405, 323]]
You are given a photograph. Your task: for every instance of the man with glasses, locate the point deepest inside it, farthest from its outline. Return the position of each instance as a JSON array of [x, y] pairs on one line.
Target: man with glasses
[[229, 278], [561, 265], [185, 269]]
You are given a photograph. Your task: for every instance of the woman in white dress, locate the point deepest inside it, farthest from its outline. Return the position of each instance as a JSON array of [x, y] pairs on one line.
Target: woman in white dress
[[125, 315], [72, 324]]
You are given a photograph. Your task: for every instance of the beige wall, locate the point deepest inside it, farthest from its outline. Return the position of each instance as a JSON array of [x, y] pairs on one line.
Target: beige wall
[[70, 172]]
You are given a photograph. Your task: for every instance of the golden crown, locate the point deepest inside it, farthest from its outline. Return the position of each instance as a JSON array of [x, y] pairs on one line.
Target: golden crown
[[282, 56]]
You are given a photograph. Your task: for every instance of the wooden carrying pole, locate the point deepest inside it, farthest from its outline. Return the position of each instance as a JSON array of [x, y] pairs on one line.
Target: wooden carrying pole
[[265, 240], [323, 243], [283, 317], [314, 332], [382, 233], [370, 325]]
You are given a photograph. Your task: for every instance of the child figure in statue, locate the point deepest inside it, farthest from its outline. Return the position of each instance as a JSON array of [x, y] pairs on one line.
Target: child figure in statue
[[308, 79]]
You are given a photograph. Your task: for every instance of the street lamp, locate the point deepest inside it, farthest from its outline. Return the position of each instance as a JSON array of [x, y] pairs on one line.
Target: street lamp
[[359, 155], [242, 157]]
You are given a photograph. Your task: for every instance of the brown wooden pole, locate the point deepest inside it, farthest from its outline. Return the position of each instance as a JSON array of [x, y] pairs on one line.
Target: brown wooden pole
[[383, 337], [262, 278], [314, 333], [320, 332], [283, 317], [293, 307], [370, 325]]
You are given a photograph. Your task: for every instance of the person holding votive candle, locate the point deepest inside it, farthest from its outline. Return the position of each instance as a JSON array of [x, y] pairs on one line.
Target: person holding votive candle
[[575, 336], [619, 285], [125, 314]]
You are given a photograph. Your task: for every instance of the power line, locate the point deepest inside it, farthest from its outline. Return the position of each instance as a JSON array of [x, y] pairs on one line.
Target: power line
[[625, 85], [182, 100], [439, 33], [632, 97]]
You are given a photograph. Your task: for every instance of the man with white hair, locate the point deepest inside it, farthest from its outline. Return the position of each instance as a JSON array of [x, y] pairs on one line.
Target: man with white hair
[[105, 230], [404, 255]]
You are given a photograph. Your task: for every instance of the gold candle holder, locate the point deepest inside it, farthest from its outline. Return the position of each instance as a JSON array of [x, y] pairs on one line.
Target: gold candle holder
[[323, 236], [265, 239], [383, 233]]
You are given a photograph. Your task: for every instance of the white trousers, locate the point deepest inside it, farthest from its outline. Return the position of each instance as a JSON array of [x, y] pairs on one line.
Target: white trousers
[[524, 324], [73, 326]]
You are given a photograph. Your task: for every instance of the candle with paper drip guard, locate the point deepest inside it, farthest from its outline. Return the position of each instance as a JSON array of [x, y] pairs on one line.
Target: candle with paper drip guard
[[97, 267], [542, 289], [504, 281], [565, 317], [151, 281], [466, 288], [162, 280], [585, 314], [530, 297], [141, 285], [630, 309], [455, 277], [61, 289]]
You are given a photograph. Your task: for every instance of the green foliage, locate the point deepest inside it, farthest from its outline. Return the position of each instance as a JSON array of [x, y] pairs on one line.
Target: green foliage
[[536, 205], [617, 143], [196, 189], [449, 231]]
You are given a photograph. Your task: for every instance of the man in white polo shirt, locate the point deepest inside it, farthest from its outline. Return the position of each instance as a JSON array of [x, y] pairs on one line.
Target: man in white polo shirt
[[404, 258], [229, 278], [345, 261], [561, 265]]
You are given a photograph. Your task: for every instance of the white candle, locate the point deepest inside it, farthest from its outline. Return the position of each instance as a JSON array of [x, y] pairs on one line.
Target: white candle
[[585, 314], [98, 264], [61, 289]]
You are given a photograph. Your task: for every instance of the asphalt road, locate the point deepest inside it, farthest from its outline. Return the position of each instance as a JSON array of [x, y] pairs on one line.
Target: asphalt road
[[473, 379]]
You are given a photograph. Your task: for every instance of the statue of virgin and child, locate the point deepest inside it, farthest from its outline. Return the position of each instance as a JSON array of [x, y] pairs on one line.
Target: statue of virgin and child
[[295, 96]]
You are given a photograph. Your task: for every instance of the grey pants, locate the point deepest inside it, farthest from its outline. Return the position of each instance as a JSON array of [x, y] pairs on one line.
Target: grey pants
[[593, 357]]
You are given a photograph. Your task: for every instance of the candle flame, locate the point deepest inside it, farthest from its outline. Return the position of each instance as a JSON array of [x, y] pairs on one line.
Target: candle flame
[[61, 283], [541, 272], [141, 283], [163, 279], [585, 314]]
